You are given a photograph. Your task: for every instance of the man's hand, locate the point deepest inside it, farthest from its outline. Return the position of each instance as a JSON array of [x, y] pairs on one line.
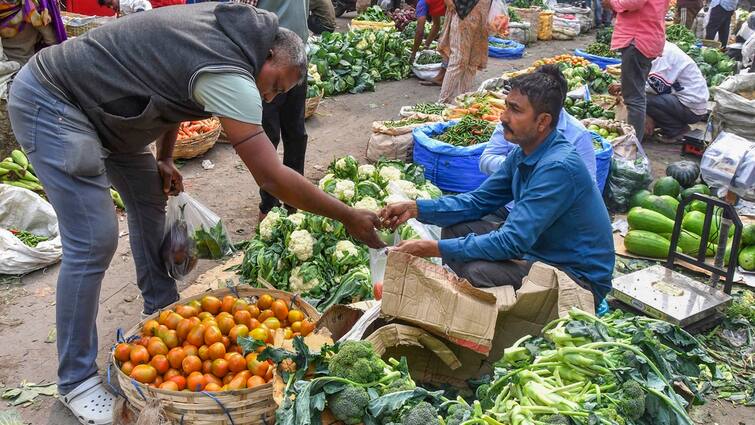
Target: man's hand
[[172, 180], [419, 248], [393, 215], [614, 89], [362, 225]]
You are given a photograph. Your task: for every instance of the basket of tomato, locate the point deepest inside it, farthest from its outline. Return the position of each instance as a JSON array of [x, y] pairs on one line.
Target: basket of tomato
[[198, 357], [196, 138]]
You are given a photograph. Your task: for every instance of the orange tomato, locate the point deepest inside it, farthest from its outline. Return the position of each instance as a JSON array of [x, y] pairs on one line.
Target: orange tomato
[[265, 314], [187, 311], [206, 366], [251, 361], [288, 333], [280, 310], [127, 367], [216, 351], [122, 351], [255, 381], [226, 323], [144, 373], [196, 335], [239, 305], [272, 323], [171, 373], [295, 316], [180, 381], [265, 301], [254, 310], [237, 331], [260, 334], [195, 382], [172, 320], [210, 378], [307, 326], [213, 387], [227, 303], [169, 386], [149, 328], [211, 304], [195, 303], [255, 324], [157, 346], [171, 339], [261, 368], [228, 378], [236, 362], [204, 315], [190, 350], [212, 335], [138, 355], [203, 352], [220, 368], [160, 363], [243, 317], [191, 364], [296, 326], [163, 316], [183, 328]]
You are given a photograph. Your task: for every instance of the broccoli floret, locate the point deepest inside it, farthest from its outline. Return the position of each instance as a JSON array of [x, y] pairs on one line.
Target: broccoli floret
[[422, 414], [402, 384], [357, 362], [632, 403], [457, 414], [348, 405], [610, 414], [557, 420]]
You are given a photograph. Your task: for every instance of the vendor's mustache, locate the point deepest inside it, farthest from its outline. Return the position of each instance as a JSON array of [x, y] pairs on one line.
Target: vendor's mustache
[[505, 127]]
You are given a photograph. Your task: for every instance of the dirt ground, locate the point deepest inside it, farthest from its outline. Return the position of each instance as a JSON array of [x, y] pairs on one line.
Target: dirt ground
[[341, 126]]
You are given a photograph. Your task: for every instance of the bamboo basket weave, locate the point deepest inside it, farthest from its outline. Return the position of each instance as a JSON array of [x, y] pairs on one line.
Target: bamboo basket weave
[[76, 24], [311, 105], [192, 147], [249, 406]]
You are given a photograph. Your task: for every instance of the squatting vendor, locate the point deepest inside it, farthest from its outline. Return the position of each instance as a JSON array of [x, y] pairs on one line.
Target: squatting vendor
[[559, 218], [86, 110]]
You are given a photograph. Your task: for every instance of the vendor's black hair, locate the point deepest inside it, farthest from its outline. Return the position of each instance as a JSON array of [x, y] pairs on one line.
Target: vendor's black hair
[[545, 88]]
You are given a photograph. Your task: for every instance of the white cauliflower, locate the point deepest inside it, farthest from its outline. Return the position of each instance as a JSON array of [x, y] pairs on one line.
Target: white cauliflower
[[388, 173], [323, 183], [345, 190], [267, 225], [367, 203], [345, 249], [408, 188], [297, 219], [393, 198], [297, 284], [366, 171], [301, 244]]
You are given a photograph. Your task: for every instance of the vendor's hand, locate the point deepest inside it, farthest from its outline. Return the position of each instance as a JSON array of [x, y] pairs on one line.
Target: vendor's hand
[[362, 225], [419, 248], [614, 89], [172, 180], [393, 215]]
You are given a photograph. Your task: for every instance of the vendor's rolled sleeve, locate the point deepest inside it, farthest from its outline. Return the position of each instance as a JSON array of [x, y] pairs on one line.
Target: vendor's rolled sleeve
[[229, 95]]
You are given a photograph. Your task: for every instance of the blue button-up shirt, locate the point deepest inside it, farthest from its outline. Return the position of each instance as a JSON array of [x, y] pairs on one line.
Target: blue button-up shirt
[[728, 5], [559, 219]]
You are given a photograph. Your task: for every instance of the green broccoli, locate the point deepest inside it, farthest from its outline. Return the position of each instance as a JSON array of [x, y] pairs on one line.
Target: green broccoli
[[348, 405], [632, 403], [403, 384], [611, 415], [357, 362], [557, 420], [423, 413], [457, 414]]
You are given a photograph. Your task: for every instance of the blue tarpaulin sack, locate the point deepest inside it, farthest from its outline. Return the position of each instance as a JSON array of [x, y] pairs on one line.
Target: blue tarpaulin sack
[[513, 50], [602, 160], [451, 168], [601, 61]]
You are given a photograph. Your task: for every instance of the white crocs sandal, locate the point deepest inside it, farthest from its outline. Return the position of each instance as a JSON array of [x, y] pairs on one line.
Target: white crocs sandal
[[90, 402]]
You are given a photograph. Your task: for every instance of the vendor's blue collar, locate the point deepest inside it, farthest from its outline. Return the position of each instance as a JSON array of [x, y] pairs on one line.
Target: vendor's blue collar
[[535, 156]]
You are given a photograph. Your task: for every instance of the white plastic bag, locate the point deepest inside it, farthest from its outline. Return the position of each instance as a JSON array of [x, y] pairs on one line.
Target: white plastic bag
[[498, 18], [426, 71], [22, 209], [192, 232], [729, 162]]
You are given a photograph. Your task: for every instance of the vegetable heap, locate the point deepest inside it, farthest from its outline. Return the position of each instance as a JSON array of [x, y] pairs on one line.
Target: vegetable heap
[[190, 129], [404, 122], [467, 132], [428, 58], [581, 109], [403, 17], [597, 80], [373, 14], [212, 243], [584, 370], [16, 170], [313, 255], [354, 384], [714, 64], [513, 16], [601, 49], [29, 239], [353, 61], [559, 59], [604, 35], [411, 28], [680, 34], [526, 4], [484, 105], [428, 108], [606, 133], [314, 82]]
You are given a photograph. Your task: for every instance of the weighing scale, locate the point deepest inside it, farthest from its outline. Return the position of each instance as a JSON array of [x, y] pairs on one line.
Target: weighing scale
[[662, 293]]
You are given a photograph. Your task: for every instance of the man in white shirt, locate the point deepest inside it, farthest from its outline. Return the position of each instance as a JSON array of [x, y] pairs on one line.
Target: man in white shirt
[[126, 7], [677, 93]]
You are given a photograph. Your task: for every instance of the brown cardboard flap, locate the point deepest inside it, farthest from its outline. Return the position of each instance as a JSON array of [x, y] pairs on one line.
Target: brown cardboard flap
[[425, 294], [395, 335]]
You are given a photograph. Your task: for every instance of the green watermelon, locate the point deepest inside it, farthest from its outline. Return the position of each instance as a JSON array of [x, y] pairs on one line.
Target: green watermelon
[[667, 186], [663, 204], [698, 188], [748, 235], [637, 199]]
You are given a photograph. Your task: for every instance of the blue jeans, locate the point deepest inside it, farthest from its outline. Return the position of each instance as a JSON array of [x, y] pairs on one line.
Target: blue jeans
[[76, 172]]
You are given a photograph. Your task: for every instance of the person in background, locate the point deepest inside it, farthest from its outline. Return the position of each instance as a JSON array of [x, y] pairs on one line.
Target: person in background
[[434, 9], [156, 4], [463, 45], [719, 22], [686, 12], [559, 218], [126, 7], [322, 16], [744, 34], [639, 34], [283, 117], [27, 24]]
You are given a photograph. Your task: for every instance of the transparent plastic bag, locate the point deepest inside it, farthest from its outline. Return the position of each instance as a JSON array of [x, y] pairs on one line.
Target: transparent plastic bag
[[192, 232], [630, 173], [498, 18]]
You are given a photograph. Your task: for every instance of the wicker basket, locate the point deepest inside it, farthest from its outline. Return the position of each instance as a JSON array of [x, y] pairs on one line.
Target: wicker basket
[[311, 105], [245, 407], [76, 24], [192, 147]]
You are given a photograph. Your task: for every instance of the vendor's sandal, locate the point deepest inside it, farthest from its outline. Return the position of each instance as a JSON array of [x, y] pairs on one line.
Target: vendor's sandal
[[430, 83], [90, 402]]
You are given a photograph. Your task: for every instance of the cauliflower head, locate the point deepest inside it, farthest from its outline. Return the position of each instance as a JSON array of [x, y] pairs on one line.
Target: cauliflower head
[[366, 171], [297, 219], [345, 190], [327, 183], [389, 173], [301, 244], [345, 249], [268, 224], [368, 203], [304, 278], [393, 198], [408, 188]]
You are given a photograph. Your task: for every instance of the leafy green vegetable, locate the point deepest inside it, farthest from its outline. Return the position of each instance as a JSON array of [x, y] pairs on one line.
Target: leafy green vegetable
[[601, 49], [428, 58], [374, 14], [212, 244]]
